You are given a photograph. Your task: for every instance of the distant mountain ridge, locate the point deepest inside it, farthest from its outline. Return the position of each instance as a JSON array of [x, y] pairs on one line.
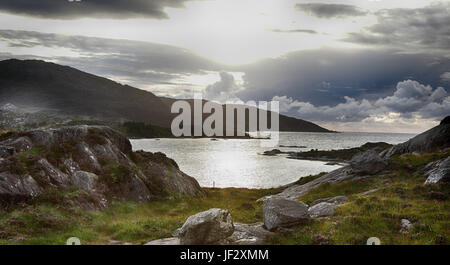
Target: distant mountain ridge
[[62, 89]]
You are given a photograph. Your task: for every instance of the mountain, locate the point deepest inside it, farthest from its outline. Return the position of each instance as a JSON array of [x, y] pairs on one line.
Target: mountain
[[48, 86], [42, 86]]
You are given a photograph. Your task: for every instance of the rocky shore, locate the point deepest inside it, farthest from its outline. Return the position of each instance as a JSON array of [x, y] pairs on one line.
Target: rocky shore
[[376, 160], [340, 156]]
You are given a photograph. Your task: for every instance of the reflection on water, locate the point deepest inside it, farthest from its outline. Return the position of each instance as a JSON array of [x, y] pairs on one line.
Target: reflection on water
[[239, 163]]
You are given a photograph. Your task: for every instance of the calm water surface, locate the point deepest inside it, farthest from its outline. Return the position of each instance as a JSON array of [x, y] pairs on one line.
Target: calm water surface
[[239, 163]]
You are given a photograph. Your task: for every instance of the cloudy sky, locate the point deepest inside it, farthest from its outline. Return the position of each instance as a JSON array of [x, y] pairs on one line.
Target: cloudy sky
[[367, 65]]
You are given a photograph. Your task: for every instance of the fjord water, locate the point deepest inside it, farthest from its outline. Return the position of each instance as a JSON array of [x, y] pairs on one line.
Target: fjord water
[[239, 163]]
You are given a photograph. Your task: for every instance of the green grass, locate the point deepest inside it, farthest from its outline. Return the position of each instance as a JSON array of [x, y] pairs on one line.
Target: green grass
[[307, 179], [400, 195], [137, 223]]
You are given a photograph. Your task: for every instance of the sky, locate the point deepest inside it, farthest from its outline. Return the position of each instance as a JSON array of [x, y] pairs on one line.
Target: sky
[[367, 65]]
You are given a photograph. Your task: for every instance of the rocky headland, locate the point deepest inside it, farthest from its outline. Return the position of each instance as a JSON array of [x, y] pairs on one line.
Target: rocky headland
[[95, 160], [341, 156]]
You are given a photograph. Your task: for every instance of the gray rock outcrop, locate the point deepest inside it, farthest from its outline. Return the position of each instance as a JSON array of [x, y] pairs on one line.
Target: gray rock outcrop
[[322, 209], [244, 234], [438, 171], [208, 227], [368, 162], [437, 138], [95, 159], [335, 200], [279, 212], [248, 234]]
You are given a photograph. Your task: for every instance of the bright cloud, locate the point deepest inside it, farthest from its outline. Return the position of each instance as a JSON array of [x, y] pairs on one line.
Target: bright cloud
[[223, 90], [411, 100]]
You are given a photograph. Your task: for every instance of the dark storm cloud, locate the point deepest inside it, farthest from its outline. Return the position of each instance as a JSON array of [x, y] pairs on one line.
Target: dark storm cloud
[[309, 31], [138, 62], [325, 76], [63, 9], [420, 28], [351, 85], [323, 10]]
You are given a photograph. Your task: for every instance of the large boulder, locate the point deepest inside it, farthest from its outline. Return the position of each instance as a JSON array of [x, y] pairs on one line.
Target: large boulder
[[161, 175], [244, 234], [280, 212], [208, 227], [368, 162], [248, 234], [322, 209], [438, 171]]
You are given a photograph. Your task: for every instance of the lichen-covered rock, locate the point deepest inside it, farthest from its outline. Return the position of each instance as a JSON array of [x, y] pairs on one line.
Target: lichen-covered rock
[[248, 234], [368, 162], [16, 188], [162, 175], [51, 173], [335, 200], [244, 234], [19, 144], [438, 171], [322, 209], [406, 225], [95, 159], [208, 227], [84, 180], [279, 212]]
